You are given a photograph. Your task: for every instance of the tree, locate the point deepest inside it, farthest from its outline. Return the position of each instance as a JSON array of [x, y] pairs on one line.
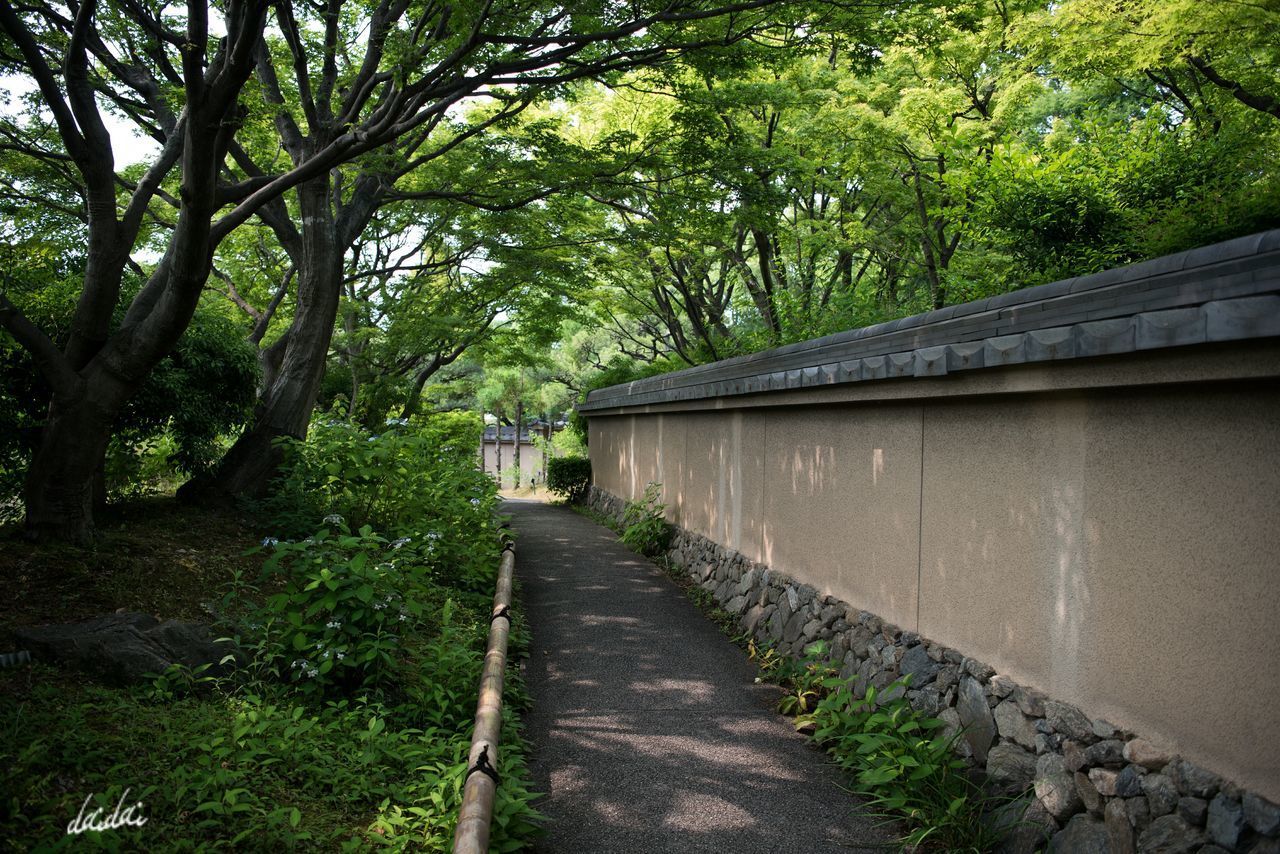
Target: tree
[[184, 89]]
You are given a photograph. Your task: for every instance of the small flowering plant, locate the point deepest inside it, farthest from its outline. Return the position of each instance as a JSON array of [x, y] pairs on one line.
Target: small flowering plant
[[343, 609]]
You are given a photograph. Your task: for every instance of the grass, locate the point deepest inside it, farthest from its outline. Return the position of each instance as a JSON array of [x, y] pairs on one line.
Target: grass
[[250, 765]]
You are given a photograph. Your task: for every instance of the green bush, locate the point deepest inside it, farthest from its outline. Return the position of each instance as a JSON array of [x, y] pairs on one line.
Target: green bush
[[569, 477], [645, 528]]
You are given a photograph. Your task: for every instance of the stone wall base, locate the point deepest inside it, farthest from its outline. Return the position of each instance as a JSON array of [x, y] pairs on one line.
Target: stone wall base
[[1097, 788]]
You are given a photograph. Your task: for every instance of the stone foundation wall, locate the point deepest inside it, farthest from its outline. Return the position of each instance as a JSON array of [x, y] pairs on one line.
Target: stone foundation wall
[[1097, 787]]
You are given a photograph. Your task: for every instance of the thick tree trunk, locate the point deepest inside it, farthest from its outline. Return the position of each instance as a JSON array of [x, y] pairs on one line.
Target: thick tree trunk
[[285, 405], [60, 484]]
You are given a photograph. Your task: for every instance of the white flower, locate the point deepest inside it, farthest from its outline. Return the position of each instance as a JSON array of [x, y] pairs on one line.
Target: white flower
[[378, 606], [398, 422], [475, 502], [341, 655], [373, 438], [395, 544], [326, 654], [270, 541], [333, 624], [433, 536], [333, 519], [404, 617]]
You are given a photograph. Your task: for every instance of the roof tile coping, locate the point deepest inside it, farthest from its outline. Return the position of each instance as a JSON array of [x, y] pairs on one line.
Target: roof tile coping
[[1258, 255]]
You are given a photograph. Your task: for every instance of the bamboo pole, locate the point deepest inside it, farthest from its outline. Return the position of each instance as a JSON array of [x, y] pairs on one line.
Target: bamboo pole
[[472, 835]]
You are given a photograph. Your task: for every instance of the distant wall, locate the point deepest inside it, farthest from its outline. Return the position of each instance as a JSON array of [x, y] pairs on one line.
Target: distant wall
[[530, 460], [1100, 522]]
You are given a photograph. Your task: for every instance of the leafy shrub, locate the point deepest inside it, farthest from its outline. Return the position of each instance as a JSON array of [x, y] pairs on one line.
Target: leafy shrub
[[645, 528], [569, 477], [905, 765]]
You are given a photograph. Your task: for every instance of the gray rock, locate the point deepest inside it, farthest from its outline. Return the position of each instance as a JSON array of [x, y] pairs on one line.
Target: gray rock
[[1002, 686], [951, 726], [1262, 815], [1069, 721], [736, 605], [928, 701], [1129, 782], [752, 618], [1088, 794], [1047, 743], [1139, 813], [917, 664], [1162, 795], [889, 655], [975, 716], [126, 647], [977, 669], [1169, 834], [948, 676], [1025, 826], [1056, 788], [1225, 822], [1031, 702], [1073, 754], [791, 631], [1109, 753], [1011, 766], [1193, 810], [1266, 846], [1013, 725], [859, 639], [1103, 729], [1193, 780], [747, 583], [1142, 752], [1212, 849], [1082, 835], [935, 652], [1119, 831], [810, 630]]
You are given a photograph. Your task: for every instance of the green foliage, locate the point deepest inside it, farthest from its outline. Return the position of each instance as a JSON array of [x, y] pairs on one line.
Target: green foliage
[[236, 771], [645, 527], [569, 477]]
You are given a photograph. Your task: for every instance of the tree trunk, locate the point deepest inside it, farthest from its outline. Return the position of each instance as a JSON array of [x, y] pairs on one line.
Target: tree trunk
[[519, 418], [284, 407], [60, 484], [497, 451]]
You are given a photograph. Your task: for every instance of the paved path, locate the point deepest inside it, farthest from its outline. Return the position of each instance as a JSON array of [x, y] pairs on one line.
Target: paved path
[[649, 734]]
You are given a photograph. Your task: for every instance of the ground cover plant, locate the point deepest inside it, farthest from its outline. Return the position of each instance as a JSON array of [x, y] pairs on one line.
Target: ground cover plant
[[348, 727]]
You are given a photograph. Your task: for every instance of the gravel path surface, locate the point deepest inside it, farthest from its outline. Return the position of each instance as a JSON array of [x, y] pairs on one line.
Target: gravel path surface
[[648, 730]]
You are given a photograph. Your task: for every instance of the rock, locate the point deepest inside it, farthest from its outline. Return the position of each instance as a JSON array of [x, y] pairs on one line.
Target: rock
[[736, 605], [1056, 788], [1129, 782], [747, 583], [948, 676], [928, 701], [125, 647], [1002, 686], [1104, 780], [1025, 826], [975, 716], [1047, 743], [935, 652], [1109, 753], [1082, 835], [1169, 834], [1088, 794], [1266, 846], [917, 664], [1119, 831], [1031, 702], [1162, 795], [1139, 813], [791, 631], [1262, 815], [752, 619], [1225, 822], [977, 669], [889, 655], [1193, 810], [859, 639], [1139, 751], [810, 630], [1103, 729], [1192, 779], [1069, 721], [1011, 766], [1012, 724], [1212, 849], [1073, 755]]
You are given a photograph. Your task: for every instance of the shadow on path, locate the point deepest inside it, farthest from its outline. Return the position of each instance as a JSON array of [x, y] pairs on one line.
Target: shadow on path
[[648, 730]]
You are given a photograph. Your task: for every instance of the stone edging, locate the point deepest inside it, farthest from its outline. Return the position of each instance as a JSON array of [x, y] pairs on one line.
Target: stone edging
[[1097, 787]]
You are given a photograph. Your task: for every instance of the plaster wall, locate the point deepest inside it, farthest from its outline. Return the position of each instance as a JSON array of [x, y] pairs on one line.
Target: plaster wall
[[1114, 548]]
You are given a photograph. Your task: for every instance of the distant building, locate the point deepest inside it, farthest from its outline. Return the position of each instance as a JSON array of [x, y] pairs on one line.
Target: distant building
[[532, 461]]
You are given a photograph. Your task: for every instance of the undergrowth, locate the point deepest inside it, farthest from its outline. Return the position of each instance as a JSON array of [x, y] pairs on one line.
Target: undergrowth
[[347, 727]]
